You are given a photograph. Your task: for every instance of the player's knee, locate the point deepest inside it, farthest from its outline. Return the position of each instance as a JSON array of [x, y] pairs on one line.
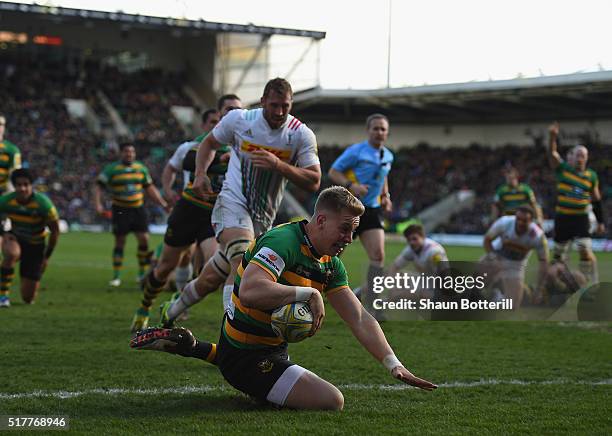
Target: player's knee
[[377, 256], [335, 401]]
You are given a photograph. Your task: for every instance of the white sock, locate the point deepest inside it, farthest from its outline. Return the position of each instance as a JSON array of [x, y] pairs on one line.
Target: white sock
[[189, 297], [182, 275], [227, 295]]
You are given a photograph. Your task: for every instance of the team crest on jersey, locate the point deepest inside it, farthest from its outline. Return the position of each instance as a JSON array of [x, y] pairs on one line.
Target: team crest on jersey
[[265, 365], [248, 133]]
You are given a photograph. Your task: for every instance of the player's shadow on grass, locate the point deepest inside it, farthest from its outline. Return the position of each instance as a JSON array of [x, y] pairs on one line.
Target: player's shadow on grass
[[174, 405]]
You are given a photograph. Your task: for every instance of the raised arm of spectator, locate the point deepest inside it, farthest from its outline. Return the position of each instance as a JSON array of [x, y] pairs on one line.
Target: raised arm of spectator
[[554, 158]]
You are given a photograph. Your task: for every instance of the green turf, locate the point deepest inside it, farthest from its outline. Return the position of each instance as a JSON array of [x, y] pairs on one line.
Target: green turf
[[75, 339]]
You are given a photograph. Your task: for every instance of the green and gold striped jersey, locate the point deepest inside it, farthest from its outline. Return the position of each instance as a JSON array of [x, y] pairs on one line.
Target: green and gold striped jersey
[[10, 159], [574, 189], [216, 174], [29, 220], [286, 254], [126, 183], [509, 198]]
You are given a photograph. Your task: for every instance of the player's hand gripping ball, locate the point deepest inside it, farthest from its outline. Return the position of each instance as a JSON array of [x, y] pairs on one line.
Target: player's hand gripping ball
[[292, 322]]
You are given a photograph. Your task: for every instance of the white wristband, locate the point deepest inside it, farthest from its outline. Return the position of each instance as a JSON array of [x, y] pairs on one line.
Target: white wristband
[[390, 361], [302, 293]]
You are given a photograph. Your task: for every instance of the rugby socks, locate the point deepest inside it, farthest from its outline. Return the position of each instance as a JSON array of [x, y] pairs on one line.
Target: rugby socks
[[152, 288], [589, 269], [117, 262], [6, 280], [189, 297], [182, 275], [144, 259], [205, 351], [227, 295]]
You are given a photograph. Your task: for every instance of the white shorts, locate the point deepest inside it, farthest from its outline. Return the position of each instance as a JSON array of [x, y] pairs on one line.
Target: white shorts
[[229, 214], [279, 392]]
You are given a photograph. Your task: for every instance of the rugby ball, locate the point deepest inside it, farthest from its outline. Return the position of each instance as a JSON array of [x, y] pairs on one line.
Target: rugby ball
[[292, 322]]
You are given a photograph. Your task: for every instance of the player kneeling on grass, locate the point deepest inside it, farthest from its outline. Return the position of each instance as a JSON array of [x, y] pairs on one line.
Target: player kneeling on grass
[[292, 262], [508, 244], [30, 213]]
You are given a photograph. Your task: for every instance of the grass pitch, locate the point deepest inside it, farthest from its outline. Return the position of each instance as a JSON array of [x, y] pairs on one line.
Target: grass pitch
[[68, 355]]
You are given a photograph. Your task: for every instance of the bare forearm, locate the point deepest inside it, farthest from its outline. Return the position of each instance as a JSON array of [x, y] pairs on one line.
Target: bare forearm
[[337, 177], [205, 155], [306, 178], [265, 294], [488, 246], [168, 178], [370, 336], [97, 194], [542, 273], [554, 158], [154, 195]]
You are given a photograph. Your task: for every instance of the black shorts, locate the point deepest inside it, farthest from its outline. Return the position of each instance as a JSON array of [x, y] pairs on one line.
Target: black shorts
[[568, 227], [31, 260], [372, 218], [129, 219], [188, 223], [253, 372]]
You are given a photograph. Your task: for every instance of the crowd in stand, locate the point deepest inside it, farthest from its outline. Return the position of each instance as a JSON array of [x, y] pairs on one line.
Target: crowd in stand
[[422, 175], [66, 156]]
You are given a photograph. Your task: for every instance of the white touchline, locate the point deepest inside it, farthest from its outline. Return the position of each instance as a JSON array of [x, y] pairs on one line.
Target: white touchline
[[352, 386]]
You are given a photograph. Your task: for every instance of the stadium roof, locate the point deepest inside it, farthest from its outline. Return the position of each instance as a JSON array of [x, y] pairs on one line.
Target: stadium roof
[[571, 96], [153, 22]]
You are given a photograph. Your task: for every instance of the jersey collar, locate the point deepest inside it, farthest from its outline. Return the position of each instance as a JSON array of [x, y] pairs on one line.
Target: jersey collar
[[307, 241]]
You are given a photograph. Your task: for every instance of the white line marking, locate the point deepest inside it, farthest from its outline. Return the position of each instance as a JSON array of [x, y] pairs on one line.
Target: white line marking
[[186, 390]]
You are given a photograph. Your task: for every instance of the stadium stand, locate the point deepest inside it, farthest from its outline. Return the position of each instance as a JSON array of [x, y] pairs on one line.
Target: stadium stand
[[66, 154]]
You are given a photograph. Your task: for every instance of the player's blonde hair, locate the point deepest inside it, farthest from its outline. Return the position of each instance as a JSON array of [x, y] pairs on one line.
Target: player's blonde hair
[[338, 199]]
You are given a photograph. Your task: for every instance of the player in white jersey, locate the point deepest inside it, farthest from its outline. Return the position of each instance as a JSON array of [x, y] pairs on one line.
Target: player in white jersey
[[210, 118], [269, 148], [427, 255], [508, 244]]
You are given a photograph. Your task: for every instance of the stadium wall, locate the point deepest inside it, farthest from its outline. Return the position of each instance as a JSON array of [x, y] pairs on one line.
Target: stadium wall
[[463, 135]]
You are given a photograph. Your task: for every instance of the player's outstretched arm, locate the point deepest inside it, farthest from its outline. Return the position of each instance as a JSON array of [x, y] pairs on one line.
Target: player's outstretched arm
[[554, 158], [370, 335], [204, 157]]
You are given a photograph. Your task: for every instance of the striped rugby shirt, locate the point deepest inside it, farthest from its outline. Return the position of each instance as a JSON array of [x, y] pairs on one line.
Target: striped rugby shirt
[[29, 221], [261, 191], [126, 183], [216, 173], [574, 189], [10, 159], [510, 198], [286, 254]]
